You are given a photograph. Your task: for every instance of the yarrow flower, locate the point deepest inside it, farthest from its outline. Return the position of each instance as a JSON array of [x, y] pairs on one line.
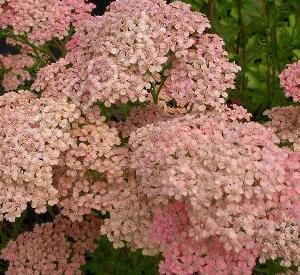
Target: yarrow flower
[[52, 248], [285, 122], [16, 73], [40, 138], [238, 162], [132, 123], [290, 80], [140, 49], [40, 21]]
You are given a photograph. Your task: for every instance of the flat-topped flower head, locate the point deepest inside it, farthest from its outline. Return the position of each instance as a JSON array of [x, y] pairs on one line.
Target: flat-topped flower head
[[285, 122], [54, 248], [142, 49], [228, 172], [290, 80], [42, 20]]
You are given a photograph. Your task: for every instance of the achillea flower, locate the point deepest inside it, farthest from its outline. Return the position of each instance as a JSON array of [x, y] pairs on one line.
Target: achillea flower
[[187, 256], [33, 134], [16, 66], [141, 116], [49, 148], [40, 21], [169, 223], [282, 243], [200, 75], [140, 49], [52, 248], [228, 172], [130, 217], [290, 80], [285, 122]]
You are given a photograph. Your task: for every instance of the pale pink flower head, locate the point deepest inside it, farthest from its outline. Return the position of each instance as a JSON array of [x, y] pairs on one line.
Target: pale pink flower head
[[187, 256], [34, 133], [290, 80], [42, 20], [52, 248], [169, 223], [285, 122], [229, 173], [16, 73], [94, 162], [140, 49]]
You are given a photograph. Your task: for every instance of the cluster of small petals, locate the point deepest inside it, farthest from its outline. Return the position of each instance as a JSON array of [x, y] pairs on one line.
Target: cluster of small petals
[[123, 55], [50, 149], [282, 243], [234, 113], [130, 217], [52, 248], [285, 122], [78, 196], [94, 152], [169, 223], [187, 256], [2, 2], [16, 74], [55, 77], [96, 147], [34, 132], [42, 20], [197, 181], [94, 162], [238, 162], [141, 116], [290, 80], [290, 198], [201, 75]]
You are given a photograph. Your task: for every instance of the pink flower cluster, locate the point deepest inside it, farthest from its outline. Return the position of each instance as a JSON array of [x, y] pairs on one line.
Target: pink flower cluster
[[214, 166], [137, 49], [54, 248], [43, 20], [285, 122], [44, 138], [93, 164], [290, 80], [207, 256], [184, 174], [16, 70]]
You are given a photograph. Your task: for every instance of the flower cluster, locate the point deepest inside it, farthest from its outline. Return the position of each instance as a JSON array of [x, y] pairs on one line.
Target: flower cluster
[[290, 80], [43, 20], [200, 75], [171, 169], [282, 244], [33, 134], [129, 54], [285, 122], [93, 164], [16, 70], [187, 256], [54, 248], [43, 138], [214, 166]]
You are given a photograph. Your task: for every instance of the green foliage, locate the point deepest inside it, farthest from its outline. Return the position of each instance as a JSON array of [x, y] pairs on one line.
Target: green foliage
[[109, 261], [271, 268]]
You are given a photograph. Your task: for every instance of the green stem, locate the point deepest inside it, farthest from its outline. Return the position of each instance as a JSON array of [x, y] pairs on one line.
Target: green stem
[[241, 46], [36, 50], [154, 94]]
